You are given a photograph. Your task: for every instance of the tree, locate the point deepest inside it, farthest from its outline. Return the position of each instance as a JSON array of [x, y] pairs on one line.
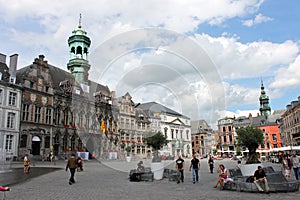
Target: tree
[[250, 137], [156, 141]]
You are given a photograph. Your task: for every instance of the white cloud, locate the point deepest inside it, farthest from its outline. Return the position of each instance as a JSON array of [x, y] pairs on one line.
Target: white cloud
[[257, 20], [243, 60], [171, 72], [287, 76]]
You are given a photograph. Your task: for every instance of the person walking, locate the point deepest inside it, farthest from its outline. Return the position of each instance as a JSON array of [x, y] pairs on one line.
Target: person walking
[[210, 163], [26, 164], [286, 165], [180, 167], [195, 164], [71, 164], [296, 165]]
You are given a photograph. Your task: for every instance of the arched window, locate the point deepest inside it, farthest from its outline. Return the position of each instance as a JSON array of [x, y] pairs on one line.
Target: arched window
[[65, 143], [79, 52], [80, 146], [73, 142]]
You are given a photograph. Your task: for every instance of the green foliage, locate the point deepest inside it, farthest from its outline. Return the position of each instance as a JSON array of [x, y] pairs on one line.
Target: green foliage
[[128, 148], [250, 137], [156, 140]]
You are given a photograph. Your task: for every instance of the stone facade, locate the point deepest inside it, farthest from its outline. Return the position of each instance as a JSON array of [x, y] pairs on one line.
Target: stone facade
[[291, 123], [10, 107]]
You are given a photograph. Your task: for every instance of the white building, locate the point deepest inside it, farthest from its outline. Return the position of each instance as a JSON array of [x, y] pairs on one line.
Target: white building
[[10, 106], [175, 126]]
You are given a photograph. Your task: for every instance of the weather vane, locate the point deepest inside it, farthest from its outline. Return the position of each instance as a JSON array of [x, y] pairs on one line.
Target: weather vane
[[79, 26]]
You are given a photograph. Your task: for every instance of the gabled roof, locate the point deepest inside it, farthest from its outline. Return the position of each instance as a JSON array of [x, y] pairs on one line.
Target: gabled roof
[[153, 107], [4, 71], [59, 75]]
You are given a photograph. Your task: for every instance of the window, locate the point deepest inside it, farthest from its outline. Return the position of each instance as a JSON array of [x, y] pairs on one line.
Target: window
[[172, 133], [166, 132], [12, 98], [25, 112], [0, 96], [229, 128], [37, 114], [48, 115], [11, 120], [23, 141], [47, 142], [9, 143], [224, 129], [187, 134], [274, 137], [224, 137]]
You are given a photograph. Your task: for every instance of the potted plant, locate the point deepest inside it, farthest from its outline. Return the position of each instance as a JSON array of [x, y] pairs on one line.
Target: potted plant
[[250, 137], [156, 141], [128, 150]]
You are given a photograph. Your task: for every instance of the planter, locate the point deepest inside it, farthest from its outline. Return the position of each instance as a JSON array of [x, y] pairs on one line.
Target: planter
[[158, 169], [128, 158], [249, 169]]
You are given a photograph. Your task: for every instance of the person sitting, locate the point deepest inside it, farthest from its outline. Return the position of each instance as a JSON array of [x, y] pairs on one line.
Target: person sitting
[[223, 175], [140, 168], [260, 176]]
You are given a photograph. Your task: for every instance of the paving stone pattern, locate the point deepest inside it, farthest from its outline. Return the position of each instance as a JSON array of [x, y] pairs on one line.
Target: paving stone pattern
[[106, 181]]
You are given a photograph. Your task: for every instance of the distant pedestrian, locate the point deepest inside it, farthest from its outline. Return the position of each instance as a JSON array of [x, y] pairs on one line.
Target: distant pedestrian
[[71, 164], [79, 164], [286, 165], [296, 165], [180, 167], [26, 164], [195, 165], [210, 163]]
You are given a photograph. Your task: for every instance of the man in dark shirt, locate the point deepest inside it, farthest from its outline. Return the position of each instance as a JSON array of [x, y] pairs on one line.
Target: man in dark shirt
[[260, 176], [195, 164], [180, 167]]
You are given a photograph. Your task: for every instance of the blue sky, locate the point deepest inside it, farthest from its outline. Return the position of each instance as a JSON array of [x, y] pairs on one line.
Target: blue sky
[[240, 43]]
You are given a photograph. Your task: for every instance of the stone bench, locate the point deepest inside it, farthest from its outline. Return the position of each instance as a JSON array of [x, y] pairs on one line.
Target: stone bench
[[147, 175], [276, 181]]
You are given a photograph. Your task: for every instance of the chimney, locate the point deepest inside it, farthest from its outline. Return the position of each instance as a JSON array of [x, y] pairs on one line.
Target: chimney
[[13, 65], [2, 58], [41, 57]]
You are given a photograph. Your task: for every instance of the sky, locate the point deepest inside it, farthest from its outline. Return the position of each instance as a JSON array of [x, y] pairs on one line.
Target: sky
[[204, 59]]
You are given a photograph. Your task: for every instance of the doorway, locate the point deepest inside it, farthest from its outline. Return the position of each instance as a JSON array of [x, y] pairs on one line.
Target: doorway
[[36, 145]]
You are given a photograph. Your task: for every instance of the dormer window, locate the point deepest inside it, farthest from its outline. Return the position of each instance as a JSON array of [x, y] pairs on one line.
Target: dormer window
[[12, 79]]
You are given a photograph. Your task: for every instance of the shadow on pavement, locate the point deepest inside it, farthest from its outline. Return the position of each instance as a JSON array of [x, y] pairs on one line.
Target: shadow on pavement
[[14, 176]]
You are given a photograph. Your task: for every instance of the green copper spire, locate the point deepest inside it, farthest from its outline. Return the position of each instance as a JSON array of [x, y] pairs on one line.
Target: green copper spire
[[264, 109], [79, 44]]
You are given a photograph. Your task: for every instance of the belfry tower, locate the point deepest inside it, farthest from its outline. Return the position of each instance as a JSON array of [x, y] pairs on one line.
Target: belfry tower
[[264, 109], [78, 64]]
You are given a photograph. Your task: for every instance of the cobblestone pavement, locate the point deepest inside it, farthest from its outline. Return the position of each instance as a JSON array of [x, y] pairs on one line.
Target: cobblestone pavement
[[109, 180]]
